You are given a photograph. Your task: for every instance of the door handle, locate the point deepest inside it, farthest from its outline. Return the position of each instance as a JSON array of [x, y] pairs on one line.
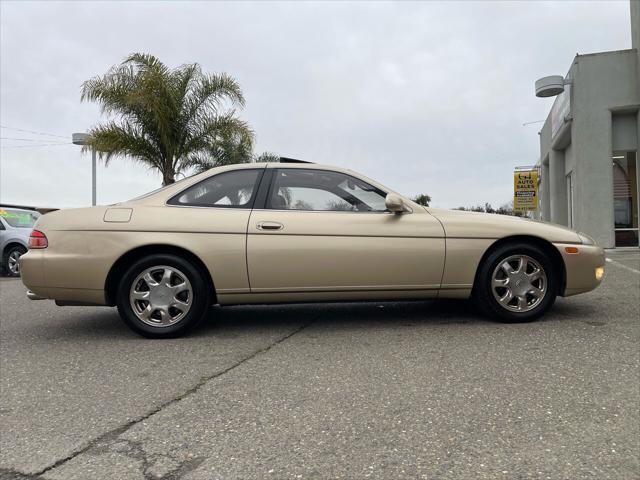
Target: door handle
[[270, 226]]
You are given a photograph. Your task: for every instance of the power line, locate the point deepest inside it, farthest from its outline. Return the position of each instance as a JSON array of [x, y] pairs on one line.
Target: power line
[[34, 132], [531, 123], [23, 139], [38, 145]]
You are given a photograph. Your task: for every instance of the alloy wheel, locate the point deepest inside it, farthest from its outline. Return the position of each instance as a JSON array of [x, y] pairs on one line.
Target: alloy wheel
[[161, 296], [13, 262], [519, 283]]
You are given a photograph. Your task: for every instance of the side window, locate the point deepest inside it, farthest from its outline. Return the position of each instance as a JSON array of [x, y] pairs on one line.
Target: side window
[[322, 190], [235, 189], [2, 226]]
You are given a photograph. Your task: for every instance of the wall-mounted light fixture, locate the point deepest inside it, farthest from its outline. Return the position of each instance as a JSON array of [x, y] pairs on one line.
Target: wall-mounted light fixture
[[550, 86]]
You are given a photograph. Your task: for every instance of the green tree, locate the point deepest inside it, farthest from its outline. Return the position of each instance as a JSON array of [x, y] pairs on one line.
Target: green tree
[[422, 199], [504, 209], [167, 119]]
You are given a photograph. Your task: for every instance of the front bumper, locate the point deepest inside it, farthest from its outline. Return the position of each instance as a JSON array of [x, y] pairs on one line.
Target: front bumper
[[580, 267]]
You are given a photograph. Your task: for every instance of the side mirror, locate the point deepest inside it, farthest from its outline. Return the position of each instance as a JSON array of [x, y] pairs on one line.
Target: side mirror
[[394, 203]]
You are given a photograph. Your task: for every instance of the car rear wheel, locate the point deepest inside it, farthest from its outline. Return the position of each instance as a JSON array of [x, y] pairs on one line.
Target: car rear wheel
[[163, 296], [516, 283], [11, 260]]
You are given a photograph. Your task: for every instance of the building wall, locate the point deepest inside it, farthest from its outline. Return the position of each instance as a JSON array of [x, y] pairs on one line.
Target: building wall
[[635, 24], [635, 32], [624, 131], [543, 165], [569, 167], [603, 85]]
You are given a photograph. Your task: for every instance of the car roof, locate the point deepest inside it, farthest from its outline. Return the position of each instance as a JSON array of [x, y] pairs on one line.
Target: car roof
[[161, 195], [301, 164]]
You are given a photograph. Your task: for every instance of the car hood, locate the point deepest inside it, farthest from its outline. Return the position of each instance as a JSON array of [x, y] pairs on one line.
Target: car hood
[[462, 224]]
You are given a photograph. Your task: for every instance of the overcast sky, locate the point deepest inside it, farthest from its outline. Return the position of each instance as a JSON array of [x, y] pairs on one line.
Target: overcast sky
[[424, 97]]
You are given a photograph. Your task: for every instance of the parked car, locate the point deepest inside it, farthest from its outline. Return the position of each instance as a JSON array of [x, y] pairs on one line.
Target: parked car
[[296, 232], [15, 228]]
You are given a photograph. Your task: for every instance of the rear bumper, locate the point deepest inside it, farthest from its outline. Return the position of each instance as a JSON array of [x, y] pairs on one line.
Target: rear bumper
[[32, 273], [34, 296], [34, 276], [581, 267]]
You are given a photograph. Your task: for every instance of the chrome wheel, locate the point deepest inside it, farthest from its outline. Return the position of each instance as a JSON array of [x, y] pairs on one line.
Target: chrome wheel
[[161, 296], [519, 283], [13, 262]]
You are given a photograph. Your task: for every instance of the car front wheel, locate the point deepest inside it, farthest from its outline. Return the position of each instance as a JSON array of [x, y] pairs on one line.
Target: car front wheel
[[516, 283], [163, 296]]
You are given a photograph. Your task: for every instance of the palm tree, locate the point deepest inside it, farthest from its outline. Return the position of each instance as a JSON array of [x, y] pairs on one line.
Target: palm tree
[[266, 157], [232, 146], [167, 119]]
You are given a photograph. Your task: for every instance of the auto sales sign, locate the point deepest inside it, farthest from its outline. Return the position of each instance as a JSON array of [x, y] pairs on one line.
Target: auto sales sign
[[525, 190]]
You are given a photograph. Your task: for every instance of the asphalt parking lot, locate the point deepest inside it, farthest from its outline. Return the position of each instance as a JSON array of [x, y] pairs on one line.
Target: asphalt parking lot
[[372, 390]]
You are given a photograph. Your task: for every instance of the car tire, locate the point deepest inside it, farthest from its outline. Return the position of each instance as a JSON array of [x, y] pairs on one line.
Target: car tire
[[163, 296], [10, 260], [516, 283]]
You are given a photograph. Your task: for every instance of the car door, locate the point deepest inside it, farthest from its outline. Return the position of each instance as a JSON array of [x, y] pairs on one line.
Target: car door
[[209, 218], [319, 230]]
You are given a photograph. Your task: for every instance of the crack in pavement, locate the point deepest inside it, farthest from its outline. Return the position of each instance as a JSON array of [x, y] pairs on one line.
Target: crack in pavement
[[112, 435], [150, 463], [183, 469]]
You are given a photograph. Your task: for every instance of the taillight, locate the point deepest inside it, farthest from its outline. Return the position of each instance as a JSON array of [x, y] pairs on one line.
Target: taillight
[[37, 239]]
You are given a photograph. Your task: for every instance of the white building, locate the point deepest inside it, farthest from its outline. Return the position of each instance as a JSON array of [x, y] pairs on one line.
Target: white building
[[589, 145]]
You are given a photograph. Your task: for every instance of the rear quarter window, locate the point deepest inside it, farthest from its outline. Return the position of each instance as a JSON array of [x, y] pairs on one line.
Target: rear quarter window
[[234, 189]]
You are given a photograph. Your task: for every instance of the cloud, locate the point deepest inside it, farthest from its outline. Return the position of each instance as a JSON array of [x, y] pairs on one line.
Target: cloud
[[425, 97]]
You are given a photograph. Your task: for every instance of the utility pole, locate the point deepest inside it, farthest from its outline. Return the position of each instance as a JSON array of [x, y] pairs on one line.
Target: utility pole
[[81, 139]]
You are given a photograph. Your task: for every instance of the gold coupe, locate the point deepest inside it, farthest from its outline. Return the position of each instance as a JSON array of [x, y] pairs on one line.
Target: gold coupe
[[296, 232]]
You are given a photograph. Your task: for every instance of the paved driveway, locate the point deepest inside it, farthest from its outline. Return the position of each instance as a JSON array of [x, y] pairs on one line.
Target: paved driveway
[[391, 390]]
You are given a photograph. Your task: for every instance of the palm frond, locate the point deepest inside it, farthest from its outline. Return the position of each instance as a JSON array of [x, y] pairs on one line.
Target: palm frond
[[123, 139]]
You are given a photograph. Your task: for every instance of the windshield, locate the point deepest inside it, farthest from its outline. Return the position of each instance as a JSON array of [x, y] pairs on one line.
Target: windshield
[[19, 218]]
